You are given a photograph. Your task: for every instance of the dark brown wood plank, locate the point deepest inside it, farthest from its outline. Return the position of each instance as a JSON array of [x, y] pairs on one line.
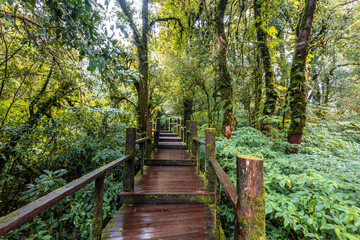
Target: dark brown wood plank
[[171, 220], [171, 154], [177, 197], [164, 221], [227, 184], [168, 162], [163, 179], [199, 141]]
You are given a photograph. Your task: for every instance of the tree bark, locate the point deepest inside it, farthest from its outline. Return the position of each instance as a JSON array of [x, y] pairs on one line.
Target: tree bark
[[297, 89], [225, 79], [8, 150], [142, 48], [257, 90], [271, 94], [188, 105]]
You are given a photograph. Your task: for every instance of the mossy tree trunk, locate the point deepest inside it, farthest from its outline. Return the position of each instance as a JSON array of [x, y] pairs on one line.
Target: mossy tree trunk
[[297, 90], [141, 41], [271, 94], [257, 90], [224, 75], [188, 105]]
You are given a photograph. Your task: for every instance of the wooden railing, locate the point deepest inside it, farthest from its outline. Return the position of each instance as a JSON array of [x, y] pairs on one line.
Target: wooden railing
[[26, 213], [247, 198]]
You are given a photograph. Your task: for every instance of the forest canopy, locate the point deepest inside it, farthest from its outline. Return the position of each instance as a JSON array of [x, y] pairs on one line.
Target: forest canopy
[[277, 79]]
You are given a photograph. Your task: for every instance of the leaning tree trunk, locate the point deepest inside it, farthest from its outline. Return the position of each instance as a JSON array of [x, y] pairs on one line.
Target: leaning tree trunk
[[271, 94], [225, 79], [297, 89]]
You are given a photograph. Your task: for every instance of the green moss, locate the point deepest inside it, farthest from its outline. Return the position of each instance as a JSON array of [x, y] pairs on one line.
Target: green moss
[[256, 222]]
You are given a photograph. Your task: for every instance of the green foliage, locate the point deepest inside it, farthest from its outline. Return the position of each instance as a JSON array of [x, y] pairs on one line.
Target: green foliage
[[72, 217], [311, 195]]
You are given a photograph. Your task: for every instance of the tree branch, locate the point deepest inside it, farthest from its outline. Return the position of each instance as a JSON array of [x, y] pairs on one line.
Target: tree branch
[[129, 15], [20, 17], [152, 23]]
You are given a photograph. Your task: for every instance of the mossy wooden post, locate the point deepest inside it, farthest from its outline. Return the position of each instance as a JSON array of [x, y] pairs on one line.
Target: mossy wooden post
[[194, 134], [209, 153], [142, 149], [149, 142], [178, 127], [217, 209], [250, 212], [157, 133], [187, 132], [198, 161], [98, 208], [129, 165], [169, 124]]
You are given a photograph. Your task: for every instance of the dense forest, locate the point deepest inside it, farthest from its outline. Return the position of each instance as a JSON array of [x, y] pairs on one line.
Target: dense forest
[[277, 79]]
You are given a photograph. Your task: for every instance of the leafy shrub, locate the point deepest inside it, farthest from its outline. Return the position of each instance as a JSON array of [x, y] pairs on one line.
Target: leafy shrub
[[311, 195]]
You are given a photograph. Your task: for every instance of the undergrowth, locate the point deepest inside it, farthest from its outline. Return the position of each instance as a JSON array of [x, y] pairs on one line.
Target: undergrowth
[[311, 195]]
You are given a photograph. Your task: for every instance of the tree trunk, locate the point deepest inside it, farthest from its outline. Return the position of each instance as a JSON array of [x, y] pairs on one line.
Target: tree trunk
[[225, 79], [7, 152], [144, 68], [257, 90], [188, 105], [142, 48], [297, 90], [271, 94]]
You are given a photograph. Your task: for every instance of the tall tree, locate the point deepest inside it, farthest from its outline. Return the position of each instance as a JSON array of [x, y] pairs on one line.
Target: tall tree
[[271, 94], [141, 41], [224, 75], [297, 89]]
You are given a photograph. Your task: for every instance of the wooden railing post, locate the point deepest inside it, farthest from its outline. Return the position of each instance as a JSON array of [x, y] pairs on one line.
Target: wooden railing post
[[209, 153], [194, 134], [142, 150], [169, 124], [149, 142], [98, 208], [198, 160], [166, 123], [157, 133], [178, 127], [250, 209], [182, 131], [187, 132], [129, 165]]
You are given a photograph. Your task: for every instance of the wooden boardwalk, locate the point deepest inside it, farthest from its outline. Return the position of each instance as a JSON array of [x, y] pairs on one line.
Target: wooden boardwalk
[[169, 198], [169, 201]]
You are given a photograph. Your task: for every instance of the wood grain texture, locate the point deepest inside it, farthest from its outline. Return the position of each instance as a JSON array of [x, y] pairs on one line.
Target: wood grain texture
[[161, 221], [177, 196]]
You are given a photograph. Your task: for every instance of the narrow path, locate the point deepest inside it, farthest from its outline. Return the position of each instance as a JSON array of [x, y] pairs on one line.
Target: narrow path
[[166, 201]]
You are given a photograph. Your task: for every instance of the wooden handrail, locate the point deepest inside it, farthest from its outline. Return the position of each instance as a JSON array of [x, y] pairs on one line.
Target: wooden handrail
[[199, 141], [227, 184], [247, 198], [142, 140], [24, 214]]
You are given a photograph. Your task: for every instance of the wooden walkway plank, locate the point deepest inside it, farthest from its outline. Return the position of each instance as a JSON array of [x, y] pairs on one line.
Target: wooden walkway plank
[[165, 220]]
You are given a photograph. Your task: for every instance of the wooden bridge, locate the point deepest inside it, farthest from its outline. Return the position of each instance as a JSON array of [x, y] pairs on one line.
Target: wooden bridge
[[175, 195]]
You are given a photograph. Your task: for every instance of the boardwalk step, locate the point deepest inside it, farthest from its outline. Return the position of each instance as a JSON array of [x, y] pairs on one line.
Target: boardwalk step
[[171, 146], [168, 135], [158, 198], [169, 162], [170, 139]]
